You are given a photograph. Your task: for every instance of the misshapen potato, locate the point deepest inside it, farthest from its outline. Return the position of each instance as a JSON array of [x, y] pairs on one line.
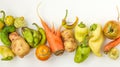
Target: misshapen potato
[[19, 45], [69, 41]]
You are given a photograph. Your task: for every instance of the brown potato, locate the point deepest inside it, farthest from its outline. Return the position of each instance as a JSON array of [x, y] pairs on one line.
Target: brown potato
[[69, 41], [70, 45], [19, 46], [67, 34]]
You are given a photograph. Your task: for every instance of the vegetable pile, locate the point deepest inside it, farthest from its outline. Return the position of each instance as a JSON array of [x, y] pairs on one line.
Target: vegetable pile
[[15, 44], [76, 37]]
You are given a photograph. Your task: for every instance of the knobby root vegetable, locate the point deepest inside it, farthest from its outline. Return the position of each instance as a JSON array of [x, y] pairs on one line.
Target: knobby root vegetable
[[19, 45], [69, 41]]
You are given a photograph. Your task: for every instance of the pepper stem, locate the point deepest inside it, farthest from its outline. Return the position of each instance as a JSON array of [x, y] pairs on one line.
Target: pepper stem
[[36, 25], [85, 41], [64, 20], [66, 14], [81, 25], [3, 17], [93, 27]]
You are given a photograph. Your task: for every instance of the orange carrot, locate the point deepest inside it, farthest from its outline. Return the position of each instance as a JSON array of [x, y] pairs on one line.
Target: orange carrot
[[53, 37], [112, 44]]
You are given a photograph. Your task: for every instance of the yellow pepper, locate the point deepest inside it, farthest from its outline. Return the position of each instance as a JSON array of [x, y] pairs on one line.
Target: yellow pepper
[[2, 19], [9, 20], [1, 25], [96, 39], [6, 53], [81, 30]]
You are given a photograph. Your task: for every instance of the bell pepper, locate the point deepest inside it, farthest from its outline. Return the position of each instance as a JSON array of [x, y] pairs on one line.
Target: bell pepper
[[9, 20], [82, 51], [96, 39], [80, 32], [6, 53], [19, 22], [2, 20], [64, 22], [113, 53]]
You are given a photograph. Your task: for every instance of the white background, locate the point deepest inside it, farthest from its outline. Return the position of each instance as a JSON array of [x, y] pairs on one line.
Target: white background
[[88, 11]]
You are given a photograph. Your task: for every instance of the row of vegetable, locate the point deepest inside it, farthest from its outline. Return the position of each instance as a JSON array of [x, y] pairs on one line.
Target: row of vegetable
[[75, 37]]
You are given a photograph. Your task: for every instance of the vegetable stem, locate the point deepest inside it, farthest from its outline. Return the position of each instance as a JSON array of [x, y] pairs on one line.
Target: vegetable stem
[[81, 25], [3, 17], [93, 27]]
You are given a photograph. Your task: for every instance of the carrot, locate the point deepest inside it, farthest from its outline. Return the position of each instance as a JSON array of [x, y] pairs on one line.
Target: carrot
[[112, 44], [53, 37]]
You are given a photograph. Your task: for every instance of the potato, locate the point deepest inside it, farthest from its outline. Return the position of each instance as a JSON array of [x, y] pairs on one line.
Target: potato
[[70, 45], [69, 41], [67, 34], [19, 46]]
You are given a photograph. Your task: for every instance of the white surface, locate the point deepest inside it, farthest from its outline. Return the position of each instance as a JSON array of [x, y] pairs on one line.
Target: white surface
[[88, 11]]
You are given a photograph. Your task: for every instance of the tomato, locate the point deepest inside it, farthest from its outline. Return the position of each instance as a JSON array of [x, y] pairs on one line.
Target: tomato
[[112, 29], [43, 52]]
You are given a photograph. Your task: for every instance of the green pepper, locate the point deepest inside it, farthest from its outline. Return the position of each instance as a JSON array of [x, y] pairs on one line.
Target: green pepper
[[33, 37], [82, 51], [96, 39], [4, 34], [43, 35], [6, 53], [36, 37], [64, 23], [80, 32], [2, 19], [27, 34]]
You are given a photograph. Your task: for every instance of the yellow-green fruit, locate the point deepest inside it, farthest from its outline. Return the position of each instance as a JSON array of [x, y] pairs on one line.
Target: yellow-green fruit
[[96, 39], [9, 20], [80, 33], [1, 25], [19, 22], [113, 53]]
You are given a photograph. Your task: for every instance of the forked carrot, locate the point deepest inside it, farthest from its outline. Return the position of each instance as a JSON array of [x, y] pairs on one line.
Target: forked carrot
[[53, 37], [112, 44]]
